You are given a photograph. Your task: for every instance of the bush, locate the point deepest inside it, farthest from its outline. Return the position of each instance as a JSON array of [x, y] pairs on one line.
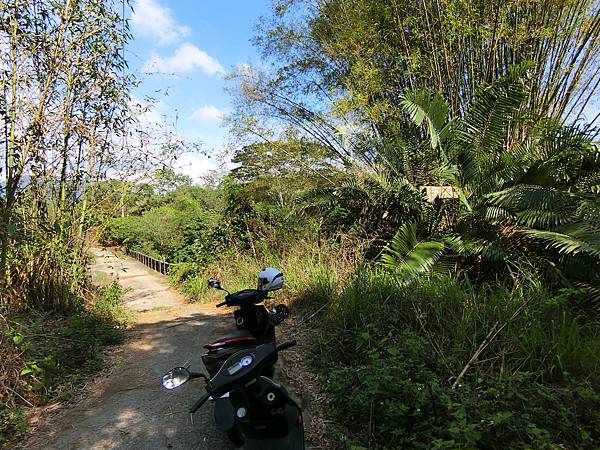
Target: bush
[[182, 232], [122, 231], [108, 304], [399, 349]]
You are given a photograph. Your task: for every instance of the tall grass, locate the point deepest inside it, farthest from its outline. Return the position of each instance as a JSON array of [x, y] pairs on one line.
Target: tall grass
[[517, 325], [43, 275], [537, 331], [313, 272], [445, 364], [440, 363]]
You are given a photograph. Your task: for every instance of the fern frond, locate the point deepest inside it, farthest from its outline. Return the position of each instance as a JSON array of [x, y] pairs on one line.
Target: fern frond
[[407, 257], [568, 244], [426, 107]]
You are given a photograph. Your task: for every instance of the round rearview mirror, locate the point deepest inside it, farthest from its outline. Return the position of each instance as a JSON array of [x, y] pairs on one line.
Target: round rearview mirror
[[278, 314], [214, 283], [175, 377]]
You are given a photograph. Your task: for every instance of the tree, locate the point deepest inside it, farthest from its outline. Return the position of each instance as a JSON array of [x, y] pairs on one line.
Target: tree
[[167, 180], [280, 171], [527, 189], [347, 64], [63, 100]]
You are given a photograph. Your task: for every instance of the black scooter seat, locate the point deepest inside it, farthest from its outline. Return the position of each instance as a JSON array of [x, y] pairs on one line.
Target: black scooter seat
[[237, 338]]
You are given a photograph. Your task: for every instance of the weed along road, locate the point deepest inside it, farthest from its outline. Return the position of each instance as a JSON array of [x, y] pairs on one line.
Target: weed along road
[[126, 407]]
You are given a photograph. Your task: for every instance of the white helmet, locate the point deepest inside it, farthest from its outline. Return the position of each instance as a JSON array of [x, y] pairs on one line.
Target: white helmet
[[270, 279]]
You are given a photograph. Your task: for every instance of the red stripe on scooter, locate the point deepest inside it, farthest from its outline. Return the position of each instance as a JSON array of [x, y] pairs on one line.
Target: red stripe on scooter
[[228, 341]]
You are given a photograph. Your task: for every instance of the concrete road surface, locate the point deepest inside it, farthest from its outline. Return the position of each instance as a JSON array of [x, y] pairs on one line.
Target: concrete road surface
[[126, 408]]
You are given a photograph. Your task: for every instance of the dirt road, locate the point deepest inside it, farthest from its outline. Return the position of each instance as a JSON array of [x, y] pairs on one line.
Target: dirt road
[[126, 408]]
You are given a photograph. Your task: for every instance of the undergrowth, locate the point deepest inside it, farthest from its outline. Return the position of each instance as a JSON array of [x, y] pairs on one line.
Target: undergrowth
[[318, 267], [46, 355], [399, 354], [398, 361]]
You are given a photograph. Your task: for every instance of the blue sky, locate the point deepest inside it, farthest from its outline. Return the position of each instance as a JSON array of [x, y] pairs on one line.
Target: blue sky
[[180, 51]]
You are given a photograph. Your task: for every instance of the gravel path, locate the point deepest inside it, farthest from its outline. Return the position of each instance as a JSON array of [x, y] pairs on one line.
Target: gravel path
[[126, 408]]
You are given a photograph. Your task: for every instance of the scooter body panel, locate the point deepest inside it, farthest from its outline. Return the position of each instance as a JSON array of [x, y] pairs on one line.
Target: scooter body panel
[[284, 431], [293, 441], [224, 414]]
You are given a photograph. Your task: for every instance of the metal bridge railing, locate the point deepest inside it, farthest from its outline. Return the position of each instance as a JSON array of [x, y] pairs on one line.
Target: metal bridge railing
[[153, 263]]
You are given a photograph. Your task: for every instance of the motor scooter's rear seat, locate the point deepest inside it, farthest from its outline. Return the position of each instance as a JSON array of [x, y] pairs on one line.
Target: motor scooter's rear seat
[[237, 338], [246, 297]]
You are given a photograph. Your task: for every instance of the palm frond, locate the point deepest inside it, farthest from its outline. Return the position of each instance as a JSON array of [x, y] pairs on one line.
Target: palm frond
[[589, 211], [424, 106], [495, 213], [490, 250], [593, 291], [494, 108], [530, 197], [576, 242], [408, 257], [543, 219], [583, 231]]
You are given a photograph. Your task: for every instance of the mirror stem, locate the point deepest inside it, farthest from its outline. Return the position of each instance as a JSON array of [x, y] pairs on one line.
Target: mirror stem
[[198, 375]]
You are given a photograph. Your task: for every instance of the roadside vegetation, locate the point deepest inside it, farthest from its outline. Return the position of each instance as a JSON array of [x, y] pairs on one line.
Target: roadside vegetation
[[48, 354], [426, 175], [464, 320], [64, 107]]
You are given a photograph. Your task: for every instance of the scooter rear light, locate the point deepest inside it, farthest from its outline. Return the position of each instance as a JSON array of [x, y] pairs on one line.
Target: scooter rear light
[[232, 341]]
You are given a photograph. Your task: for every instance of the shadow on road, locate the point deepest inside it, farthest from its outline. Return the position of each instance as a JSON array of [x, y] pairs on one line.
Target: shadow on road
[[128, 409]]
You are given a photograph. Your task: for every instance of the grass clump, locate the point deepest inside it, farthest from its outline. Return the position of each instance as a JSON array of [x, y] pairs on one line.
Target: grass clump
[[46, 355], [108, 304], [400, 352]]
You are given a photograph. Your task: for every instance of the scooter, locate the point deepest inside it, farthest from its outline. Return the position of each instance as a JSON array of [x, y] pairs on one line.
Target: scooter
[[255, 324], [261, 410]]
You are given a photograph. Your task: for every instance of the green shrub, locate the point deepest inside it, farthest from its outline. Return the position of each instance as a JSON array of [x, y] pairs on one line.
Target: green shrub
[[122, 231], [182, 272], [396, 398], [537, 331], [179, 232], [108, 304], [399, 349]]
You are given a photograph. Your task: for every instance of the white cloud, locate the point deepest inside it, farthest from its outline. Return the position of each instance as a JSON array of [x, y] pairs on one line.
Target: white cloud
[[208, 113], [186, 58], [194, 166], [152, 20]]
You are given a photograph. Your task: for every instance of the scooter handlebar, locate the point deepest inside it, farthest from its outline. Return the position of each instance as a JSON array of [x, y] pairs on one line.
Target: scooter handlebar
[[199, 403], [285, 345]]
